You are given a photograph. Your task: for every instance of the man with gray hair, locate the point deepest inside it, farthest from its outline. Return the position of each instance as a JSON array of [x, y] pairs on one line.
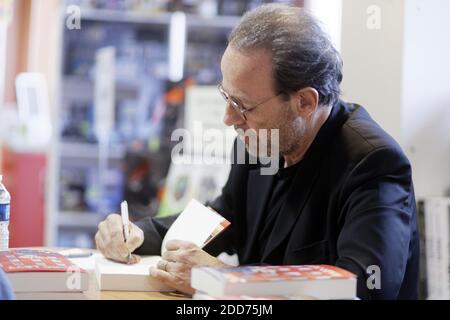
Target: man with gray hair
[[344, 193]]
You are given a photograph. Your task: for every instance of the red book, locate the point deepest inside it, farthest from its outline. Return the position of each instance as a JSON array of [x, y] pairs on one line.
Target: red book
[[42, 271], [316, 281]]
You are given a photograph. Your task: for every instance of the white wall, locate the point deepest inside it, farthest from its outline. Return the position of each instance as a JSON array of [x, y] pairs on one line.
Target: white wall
[[329, 12], [400, 73], [373, 60], [426, 94]]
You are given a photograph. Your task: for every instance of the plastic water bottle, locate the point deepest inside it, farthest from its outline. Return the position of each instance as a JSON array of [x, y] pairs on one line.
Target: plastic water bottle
[[5, 200]]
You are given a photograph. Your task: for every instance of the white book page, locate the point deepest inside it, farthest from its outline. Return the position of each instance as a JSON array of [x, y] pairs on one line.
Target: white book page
[[115, 276], [195, 224], [107, 266]]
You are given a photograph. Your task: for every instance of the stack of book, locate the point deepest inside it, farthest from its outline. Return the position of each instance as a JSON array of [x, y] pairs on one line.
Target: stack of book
[[434, 222], [43, 273], [274, 282]]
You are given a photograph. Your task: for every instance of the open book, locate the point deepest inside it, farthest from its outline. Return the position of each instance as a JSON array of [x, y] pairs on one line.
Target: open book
[[197, 224]]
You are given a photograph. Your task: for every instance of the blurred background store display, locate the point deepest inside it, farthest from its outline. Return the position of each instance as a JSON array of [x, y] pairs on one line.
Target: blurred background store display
[[160, 50]]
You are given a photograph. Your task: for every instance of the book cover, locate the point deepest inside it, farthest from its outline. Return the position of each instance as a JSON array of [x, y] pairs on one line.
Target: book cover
[[279, 273], [42, 271], [204, 296], [318, 281]]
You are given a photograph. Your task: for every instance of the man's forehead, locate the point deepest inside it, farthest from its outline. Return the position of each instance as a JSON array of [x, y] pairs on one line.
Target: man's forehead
[[244, 70], [245, 61]]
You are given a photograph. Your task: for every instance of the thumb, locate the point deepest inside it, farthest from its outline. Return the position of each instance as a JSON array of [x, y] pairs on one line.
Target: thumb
[[135, 239]]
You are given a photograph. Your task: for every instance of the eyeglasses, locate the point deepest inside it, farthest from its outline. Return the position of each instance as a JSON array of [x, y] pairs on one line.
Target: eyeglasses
[[238, 106]]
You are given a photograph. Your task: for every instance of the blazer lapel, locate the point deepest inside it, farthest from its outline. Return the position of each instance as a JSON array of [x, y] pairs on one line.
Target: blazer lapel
[[296, 198], [306, 176], [258, 193]]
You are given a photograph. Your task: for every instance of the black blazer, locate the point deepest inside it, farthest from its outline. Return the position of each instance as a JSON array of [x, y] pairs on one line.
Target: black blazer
[[351, 204]]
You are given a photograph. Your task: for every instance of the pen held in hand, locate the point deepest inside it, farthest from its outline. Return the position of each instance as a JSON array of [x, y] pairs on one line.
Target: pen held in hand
[[126, 224]]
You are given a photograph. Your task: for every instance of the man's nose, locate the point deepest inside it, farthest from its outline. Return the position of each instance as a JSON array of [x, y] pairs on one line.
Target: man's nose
[[232, 117]]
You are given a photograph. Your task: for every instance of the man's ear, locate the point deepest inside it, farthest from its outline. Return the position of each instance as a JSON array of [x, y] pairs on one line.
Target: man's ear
[[307, 101]]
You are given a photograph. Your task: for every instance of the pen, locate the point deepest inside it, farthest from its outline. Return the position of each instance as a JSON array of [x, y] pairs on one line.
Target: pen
[[126, 224]]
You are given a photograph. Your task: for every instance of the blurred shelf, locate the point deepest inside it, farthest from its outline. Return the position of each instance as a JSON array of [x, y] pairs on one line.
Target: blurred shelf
[[132, 33], [82, 88], [82, 82], [225, 22], [104, 15], [79, 219], [80, 150], [163, 18]]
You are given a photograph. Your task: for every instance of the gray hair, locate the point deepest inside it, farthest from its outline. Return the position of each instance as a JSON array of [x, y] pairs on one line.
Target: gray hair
[[302, 54]]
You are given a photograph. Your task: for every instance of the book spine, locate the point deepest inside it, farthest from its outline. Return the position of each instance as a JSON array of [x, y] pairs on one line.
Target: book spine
[[438, 221], [430, 247], [437, 228], [446, 252], [423, 282]]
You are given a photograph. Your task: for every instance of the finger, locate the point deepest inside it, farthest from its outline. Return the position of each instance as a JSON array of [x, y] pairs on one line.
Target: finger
[[104, 234], [114, 257], [179, 244], [135, 258], [170, 266], [112, 248], [172, 256], [114, 219], [115, 231], [191, 255], [102, 227], [176, 267], [163, 276], [161, 264], [121, 252], [102, 246], [115, 244], [171, 280], [105, 245], [99, 242], [136, 238], [113, 226]]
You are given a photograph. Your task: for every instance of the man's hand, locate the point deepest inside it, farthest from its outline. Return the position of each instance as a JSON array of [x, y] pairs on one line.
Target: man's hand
[[174, 269], [109, 239]]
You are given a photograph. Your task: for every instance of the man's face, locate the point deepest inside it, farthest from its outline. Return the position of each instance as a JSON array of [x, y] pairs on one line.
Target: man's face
[[248, 78]]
